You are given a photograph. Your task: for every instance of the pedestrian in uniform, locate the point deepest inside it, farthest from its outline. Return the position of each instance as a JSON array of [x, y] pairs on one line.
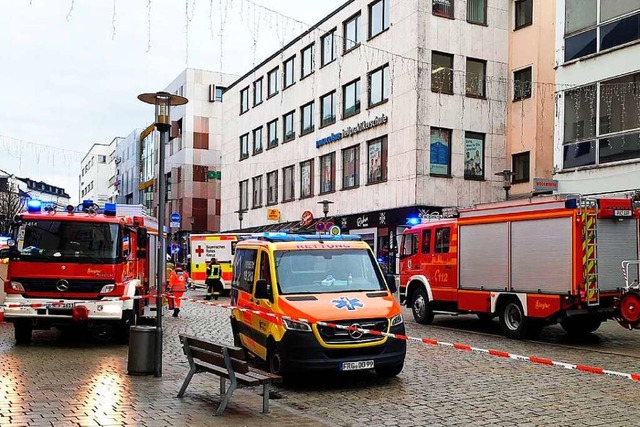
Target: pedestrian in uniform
[[213, 282], [178, 284]]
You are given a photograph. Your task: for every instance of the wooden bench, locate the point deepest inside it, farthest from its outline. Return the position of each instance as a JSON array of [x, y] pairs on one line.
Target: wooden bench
[[227, 362]]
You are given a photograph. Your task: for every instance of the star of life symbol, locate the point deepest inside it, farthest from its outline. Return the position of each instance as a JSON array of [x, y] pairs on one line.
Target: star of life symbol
[[350, 304], [383, 218], [344, 222]]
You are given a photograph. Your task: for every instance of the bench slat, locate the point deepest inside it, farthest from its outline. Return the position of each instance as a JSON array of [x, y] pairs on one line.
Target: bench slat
[[241, 378], [234, 352], [217, 359], [262, 374]]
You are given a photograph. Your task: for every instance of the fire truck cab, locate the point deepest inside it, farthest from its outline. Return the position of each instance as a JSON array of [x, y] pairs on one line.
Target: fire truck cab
[[531, 262]]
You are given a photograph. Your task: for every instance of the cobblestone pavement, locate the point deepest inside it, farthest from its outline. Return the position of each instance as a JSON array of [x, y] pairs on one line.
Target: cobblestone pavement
[[58, 382]]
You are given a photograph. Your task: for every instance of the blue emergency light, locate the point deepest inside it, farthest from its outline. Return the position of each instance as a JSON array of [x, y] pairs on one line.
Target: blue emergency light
[[285, 237], [413, 221], [34, 206], [110, 209], [86, 204]]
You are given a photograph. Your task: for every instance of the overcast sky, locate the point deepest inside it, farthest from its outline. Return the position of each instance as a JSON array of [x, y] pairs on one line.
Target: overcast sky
[[71, 70]]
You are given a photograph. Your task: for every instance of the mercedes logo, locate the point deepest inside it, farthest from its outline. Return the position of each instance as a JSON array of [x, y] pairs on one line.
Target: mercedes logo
[[355, 334], [62, 285]]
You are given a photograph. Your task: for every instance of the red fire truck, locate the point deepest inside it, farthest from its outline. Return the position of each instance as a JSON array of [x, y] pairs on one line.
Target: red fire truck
[[78, 268], [530, 262]]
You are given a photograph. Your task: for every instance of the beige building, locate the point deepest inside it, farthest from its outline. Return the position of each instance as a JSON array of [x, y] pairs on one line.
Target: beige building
[[531, 110]]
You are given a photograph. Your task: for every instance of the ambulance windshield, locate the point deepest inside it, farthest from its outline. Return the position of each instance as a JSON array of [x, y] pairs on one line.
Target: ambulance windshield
[[68, 241], [326, 271]]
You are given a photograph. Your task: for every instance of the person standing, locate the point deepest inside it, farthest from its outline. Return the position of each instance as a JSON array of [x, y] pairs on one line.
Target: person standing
[[178, 284], [213, 282]]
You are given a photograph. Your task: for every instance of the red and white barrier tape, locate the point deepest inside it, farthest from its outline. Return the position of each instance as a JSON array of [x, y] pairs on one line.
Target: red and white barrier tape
[[428, 341]]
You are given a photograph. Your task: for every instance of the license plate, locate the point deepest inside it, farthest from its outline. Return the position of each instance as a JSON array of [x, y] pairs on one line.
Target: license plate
[[355, 366], [65, 306], [623, 212]]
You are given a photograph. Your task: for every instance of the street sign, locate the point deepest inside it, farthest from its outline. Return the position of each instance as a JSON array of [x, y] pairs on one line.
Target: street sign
[[174, 224], [175, 248], [175, 217]]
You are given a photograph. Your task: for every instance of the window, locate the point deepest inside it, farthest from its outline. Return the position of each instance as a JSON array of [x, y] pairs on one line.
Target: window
[[244, 146], [272, 188], [289, 72], [524, 13], [327, 173], [409, 244], [377, 160], [443, 8], [442, 240], [440, 156], [378, 17], [615, 135], [476, 72], [287, 184], [245, 267], [474, 156], [306, 179], [272, 83], [379, 86], [244, 194], [442, 72], [328, 109], [257, 140], [522, 84], [102, 159], [257, 192], [352, 37], [288, 131], [257, 92], [200, 173], [306, 124], [477, 12], [426, 241], [328, 48], [244, 100], [272, 134], [620, 32], [306, 67], [520, 167], [219, 93], [351, 167], [351, 99]]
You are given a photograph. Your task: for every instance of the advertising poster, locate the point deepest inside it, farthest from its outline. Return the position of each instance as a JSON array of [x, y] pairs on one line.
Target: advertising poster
[[440, 152], [375, 162], [474, 157], [305, 179]]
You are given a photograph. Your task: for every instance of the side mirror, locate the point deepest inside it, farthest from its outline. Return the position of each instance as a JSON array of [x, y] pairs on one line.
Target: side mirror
[[391, 283], [5, 253], [141, 253], [142, 237], [263, 290]]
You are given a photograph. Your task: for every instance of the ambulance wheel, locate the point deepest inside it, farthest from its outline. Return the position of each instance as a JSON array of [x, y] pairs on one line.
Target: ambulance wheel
[[421, 308], [513, 322], [275, 360], [22, 332], [580, 326], [389, 371]]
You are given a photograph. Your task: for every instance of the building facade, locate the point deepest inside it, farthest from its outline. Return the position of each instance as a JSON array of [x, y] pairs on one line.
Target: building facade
[[597, 135], [149, 138], [127, 169], [387, 109], [49, 195], [193, 154], [531, 112], [95, 174]]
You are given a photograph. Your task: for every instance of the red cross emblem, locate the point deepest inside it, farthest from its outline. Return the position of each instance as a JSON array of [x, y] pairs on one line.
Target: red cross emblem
[[199, 251]]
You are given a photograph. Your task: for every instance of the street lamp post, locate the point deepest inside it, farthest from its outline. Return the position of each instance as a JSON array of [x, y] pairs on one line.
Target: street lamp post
[[240, 213], [163, 102], [506, 175], [325, 207]]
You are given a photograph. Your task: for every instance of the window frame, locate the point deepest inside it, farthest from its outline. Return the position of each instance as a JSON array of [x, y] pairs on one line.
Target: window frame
[[285, 74], [477, 136], [434, 69], [384, 162], [332, 171], [484, 23], [444, 247], [444, 15], [383, 87], [358, 100], [310, 162], [285, 137], [450, 137], [332, 34], [269, 201], [310, 129], [256, 203], [244, 92], [302, 60], [243, 184], [356, 161], [331, 120], [522, 93], [358, 40], [385, 18], [253, 139], [484, 78], [518, 10], [291, 169], [248, 153], [271, 93], [526, 177], [272, 142], [257, 102]]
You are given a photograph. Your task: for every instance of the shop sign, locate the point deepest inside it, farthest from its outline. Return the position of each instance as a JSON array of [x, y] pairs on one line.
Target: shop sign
[[307, 218], [353, 130], [273, 214], [544, 185]]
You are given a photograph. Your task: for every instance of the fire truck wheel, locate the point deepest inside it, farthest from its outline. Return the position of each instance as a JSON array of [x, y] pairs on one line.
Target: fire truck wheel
[[421, 308], [513, 322], [22, 331], [580, 326]]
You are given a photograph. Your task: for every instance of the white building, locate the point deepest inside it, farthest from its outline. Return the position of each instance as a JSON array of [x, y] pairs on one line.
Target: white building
[[49, 195], [389, 109], [95, 174], [597, 134], [127, 169]]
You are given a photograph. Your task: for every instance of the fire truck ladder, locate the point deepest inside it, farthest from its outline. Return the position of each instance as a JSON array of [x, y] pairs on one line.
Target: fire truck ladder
[[589, 215]]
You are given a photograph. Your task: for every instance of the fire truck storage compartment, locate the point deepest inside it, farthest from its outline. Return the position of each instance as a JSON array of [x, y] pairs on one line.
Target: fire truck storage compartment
[[617, 241], [540, 252]]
